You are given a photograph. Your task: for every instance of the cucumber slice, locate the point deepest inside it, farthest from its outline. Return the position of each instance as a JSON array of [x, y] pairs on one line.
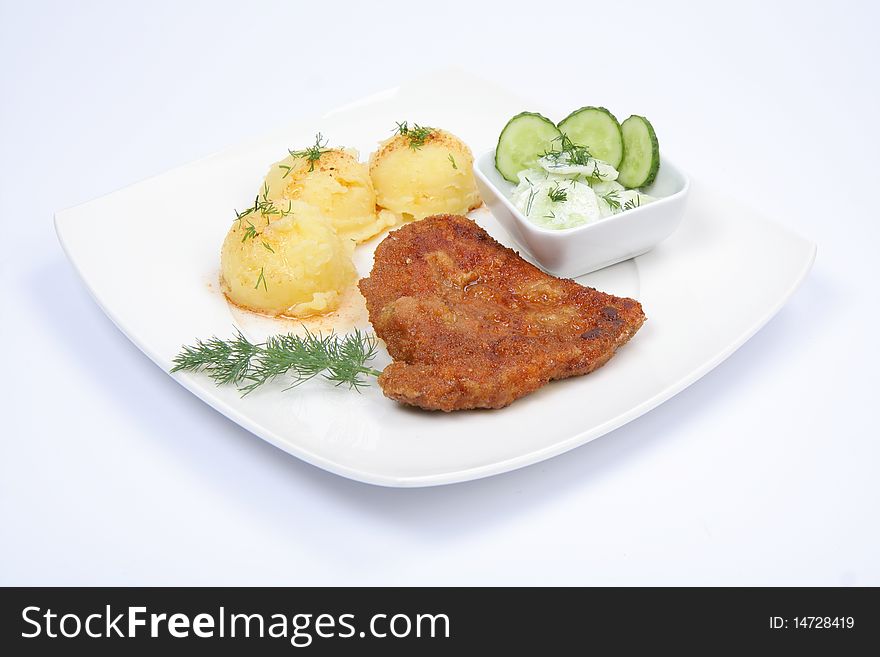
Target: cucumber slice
[[523, 140], [598, 130], [641, 153]]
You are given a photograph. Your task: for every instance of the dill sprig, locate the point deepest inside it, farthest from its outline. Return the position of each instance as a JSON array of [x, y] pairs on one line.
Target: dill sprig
[[557, 194], [262, 279], [532, 194], [633, 203], [312, 154], [417, 134], [265, 208], [452, 159], [225, 361], [250, 231], [568, 152], [612, 198], [342, 360]]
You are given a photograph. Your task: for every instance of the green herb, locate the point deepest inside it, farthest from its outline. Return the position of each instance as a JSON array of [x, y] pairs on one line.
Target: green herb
[[341, 360], [568, 152], [312, 154], [250, 232], [612, 198], [532, 194], [267, 247], [417, 134], [452, 159], [264, 207], [261, 279], [633, 203], [557, 194]]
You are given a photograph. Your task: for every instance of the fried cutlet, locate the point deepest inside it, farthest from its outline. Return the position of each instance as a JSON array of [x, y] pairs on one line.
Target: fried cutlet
[[470, 324]]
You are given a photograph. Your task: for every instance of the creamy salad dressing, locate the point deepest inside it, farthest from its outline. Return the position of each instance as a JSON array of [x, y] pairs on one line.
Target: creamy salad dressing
[[560, 194]]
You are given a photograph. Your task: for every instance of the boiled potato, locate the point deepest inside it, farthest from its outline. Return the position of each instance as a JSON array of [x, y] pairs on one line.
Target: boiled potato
[[336, 183], [417, 174], [286, 262]]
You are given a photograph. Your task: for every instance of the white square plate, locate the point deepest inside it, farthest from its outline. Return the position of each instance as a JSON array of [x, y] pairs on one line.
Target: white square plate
[[150, 256]]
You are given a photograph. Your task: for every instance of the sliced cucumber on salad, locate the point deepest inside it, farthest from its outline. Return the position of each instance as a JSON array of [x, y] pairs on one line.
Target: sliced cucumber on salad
[[589, 143], [598, 130], [641, 153], [523, 140]]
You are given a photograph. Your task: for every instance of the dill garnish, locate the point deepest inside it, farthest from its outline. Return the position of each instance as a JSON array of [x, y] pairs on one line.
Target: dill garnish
[[557, 194], [417, 134], [633, 203], [452, 159], [339, 359], [265, 208], [225, 361], [312, 154], [568, 152], [612, 198], [262, 279], [250, 231], [532, 194]]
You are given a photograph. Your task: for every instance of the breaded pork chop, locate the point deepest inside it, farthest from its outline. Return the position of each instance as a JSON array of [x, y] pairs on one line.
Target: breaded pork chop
[[470, 324]]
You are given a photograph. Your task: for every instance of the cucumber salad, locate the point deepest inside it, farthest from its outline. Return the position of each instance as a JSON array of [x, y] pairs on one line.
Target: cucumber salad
[[586, 168]]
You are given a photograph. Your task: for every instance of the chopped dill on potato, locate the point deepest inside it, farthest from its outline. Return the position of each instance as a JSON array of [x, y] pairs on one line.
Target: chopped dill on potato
[[452, 159], [417, 134], [250, 231], [262, 279], [309, 263], [265, 208], [312, 154]]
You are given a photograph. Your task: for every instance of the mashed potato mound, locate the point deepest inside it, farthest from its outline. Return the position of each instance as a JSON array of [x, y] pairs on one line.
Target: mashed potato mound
[[283, 263], [337, 184], [415, 181]]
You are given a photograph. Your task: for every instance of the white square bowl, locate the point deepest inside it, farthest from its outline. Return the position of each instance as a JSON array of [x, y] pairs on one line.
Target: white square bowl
[[572, 252]]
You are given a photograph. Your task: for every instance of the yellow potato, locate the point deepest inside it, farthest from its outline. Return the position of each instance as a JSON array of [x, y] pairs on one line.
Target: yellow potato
[[292, 264], [417, 180], [337, 184]]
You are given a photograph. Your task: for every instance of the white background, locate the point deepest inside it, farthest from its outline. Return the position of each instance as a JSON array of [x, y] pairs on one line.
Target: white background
[[763, 472]]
